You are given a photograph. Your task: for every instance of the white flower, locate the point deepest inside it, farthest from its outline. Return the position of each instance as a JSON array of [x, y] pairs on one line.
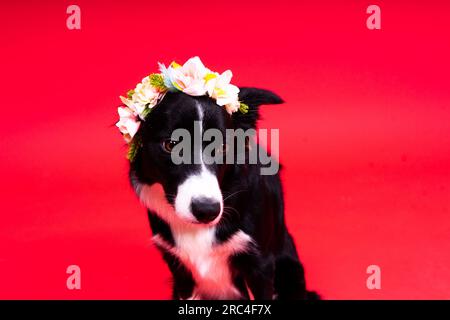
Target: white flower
[[128, 123], [129, 103], [220, 89], [143, 96], [145, 93]]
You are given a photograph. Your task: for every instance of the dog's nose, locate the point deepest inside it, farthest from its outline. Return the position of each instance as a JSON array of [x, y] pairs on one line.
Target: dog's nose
[[205, 209]]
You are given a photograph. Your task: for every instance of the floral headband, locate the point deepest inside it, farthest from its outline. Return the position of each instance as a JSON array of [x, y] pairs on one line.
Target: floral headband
[[192, 78]]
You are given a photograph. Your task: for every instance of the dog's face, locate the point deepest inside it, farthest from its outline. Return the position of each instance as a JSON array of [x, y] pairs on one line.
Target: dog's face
[[191, 189]]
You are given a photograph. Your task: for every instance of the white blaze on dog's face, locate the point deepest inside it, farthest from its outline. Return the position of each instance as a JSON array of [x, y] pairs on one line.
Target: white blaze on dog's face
[[199, 198], [191, 190]]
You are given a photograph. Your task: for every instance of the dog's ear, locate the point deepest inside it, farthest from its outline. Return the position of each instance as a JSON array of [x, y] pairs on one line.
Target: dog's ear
[[253, 97]]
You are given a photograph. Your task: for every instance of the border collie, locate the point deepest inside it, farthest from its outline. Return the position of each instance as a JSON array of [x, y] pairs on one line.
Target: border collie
[[220, 227]]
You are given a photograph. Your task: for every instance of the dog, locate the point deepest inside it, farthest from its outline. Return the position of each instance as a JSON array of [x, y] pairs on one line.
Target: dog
[[220, 227]]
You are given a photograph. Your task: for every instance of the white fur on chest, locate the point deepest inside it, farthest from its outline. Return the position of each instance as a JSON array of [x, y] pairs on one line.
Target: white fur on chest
[[196, 247], [207, 260]]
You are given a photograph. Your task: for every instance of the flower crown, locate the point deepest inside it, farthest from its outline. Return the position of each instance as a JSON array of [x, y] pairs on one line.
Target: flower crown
[[192, 78]]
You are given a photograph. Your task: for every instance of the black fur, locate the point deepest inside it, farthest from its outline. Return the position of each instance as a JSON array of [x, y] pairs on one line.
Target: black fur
[[255, 205]]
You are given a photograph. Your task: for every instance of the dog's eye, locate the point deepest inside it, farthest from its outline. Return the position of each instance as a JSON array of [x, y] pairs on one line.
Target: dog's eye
[[168, 145]]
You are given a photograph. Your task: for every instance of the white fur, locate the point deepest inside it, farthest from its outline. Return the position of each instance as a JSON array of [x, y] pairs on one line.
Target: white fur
[[207, 261], [196, 247], [201, 185]]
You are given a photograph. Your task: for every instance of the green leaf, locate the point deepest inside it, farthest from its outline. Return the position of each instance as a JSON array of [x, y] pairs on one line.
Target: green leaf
[[130, 93], [157, 81], [243, 108], [133, 148], [146, 111]]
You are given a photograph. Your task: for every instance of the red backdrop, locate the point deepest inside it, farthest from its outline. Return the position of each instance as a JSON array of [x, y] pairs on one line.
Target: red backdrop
[[365, 138]]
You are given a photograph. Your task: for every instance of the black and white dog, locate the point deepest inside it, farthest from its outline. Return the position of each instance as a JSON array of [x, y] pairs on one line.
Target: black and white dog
[[220, 227]]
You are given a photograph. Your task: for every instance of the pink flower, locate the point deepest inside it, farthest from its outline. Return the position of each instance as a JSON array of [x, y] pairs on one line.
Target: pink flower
[[194, 79], [189, 78], [128, 123]]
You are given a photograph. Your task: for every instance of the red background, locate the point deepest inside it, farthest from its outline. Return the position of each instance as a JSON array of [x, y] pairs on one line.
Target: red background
[[365, 138]]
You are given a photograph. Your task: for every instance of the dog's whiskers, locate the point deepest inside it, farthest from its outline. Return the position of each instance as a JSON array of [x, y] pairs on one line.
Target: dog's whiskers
[[226, 217], [233, 210], [234, 193]]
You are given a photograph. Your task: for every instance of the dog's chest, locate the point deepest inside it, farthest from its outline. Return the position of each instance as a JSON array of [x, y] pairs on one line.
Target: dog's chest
[[209, 261]]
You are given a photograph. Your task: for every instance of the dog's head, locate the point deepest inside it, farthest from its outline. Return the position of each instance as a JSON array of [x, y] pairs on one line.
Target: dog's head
[[188, 192]]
